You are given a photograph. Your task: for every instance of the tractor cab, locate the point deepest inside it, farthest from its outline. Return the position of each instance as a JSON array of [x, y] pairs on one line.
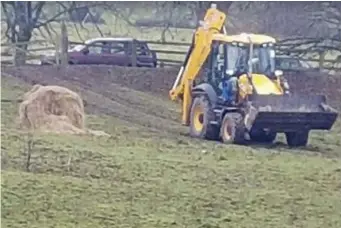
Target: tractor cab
[[239, 60], [248, 59]]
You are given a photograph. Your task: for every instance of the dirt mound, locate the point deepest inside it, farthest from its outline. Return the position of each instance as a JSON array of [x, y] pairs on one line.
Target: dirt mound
[[53, 109], [152, 80]]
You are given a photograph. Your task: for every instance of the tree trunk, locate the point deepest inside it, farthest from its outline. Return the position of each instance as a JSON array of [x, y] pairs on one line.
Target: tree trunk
[[20, 54], [23, 32], [64, 44]]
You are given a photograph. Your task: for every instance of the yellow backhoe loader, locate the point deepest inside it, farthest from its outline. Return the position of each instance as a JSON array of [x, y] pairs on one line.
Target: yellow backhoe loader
[[241, 95]]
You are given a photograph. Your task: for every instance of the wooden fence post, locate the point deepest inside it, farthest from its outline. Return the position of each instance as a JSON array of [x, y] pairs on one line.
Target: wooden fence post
[[64, 44], [133, 54], [322, 55], [57, 54], [14, 49]]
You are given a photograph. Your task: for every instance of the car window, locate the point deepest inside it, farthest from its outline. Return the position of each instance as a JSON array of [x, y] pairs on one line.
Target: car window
[[106, 48], [294, 63], [283, 64], [95, 48], [78, 47], [118, 48], [142, 49], [288, 63]]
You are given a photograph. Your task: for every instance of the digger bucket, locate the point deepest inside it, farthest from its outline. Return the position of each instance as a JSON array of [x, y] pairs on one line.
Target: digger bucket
[[290, 113]]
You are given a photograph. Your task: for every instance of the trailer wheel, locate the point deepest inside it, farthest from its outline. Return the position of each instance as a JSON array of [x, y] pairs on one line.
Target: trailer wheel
[[200, 116], [296, 139], [262, 136], [232, 129]]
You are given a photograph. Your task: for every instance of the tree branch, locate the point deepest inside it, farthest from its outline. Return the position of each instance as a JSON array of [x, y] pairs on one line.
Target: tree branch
[[8, 19], [37, 25], [93, 21], [37, 10]]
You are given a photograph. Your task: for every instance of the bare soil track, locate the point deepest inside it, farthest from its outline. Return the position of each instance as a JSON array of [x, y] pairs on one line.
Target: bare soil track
[[157, 81], [138, 95], [112, 91]]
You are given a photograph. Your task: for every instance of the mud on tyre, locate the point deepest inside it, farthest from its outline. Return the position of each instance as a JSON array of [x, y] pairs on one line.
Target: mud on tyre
[[232, 129], [200, 116]]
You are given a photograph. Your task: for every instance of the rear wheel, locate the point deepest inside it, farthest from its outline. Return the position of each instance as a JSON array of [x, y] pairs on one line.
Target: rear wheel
[[262, 136], [232, 129], [296, 139], [200, 117]]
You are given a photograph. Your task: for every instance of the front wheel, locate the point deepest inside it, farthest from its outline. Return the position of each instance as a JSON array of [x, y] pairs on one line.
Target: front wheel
[[297, 139], [200, 117], [232, 129]]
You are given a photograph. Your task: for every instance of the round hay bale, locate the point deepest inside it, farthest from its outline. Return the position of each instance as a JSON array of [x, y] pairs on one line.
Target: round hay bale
[[52, 108]]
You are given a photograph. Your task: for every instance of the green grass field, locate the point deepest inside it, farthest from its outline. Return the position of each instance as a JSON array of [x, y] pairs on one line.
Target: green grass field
[[149, 173]]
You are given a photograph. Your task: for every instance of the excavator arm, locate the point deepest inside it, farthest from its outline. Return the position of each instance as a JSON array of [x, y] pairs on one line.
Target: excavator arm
[[196, 56]]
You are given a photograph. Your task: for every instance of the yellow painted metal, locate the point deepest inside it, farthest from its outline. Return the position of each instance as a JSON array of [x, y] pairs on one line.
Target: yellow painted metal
[[261, 83], [245, 88], [213, 23], [198, 118], [265, 86], [245, 38], [203, 37]]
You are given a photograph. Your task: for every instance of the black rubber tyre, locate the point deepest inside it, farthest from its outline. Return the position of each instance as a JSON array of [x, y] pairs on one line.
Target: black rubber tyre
[[297, 139], [262, 136], [232, 130], [200, 116]]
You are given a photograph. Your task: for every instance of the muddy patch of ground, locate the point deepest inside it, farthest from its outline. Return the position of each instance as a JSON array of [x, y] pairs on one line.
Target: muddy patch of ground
[[157, 81]]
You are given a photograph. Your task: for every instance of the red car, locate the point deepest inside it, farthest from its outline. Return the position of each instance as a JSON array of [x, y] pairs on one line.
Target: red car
[[109, 51]]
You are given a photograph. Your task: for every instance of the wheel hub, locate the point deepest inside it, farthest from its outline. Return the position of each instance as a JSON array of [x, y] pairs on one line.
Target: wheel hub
[[198, 119], [201, 118], [228, 131]]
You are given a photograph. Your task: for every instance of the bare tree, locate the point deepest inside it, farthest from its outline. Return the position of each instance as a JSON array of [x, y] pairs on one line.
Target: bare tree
[[22, 18], [329, 14]]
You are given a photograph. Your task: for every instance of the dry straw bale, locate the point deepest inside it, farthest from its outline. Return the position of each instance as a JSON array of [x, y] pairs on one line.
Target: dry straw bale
[[52, 109]]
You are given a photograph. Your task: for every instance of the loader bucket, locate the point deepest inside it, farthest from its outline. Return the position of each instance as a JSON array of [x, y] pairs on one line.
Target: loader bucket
[[287, 113]]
